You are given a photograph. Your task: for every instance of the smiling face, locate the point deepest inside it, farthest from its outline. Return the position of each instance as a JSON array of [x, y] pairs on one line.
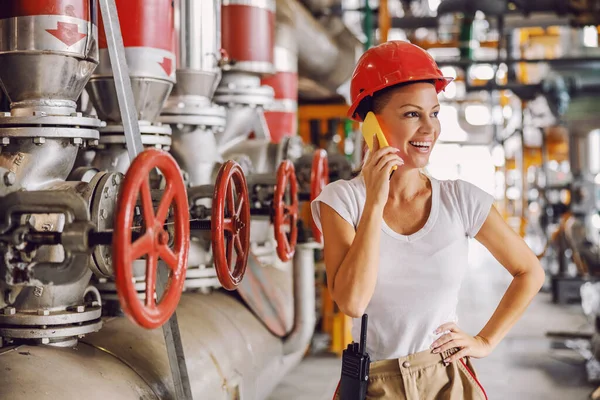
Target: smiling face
[[408, 115]]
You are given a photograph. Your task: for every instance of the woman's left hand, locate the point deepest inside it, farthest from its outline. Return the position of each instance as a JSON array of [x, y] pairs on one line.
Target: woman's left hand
[[471, 346]]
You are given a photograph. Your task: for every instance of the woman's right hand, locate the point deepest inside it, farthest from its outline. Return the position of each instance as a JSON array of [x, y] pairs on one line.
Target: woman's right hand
[[377, 171]]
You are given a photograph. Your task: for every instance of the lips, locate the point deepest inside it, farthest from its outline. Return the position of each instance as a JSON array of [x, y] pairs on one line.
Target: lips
[[423, 147]]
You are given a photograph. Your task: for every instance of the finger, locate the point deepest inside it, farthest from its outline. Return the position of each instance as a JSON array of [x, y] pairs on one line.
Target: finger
[[444, 339], [460, 343], [387, 168], [457, 356], [449, 326], [386, 159], [386, 150]]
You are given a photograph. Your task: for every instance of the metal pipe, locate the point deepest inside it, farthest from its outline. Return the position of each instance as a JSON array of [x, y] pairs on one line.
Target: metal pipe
[[304, 300]]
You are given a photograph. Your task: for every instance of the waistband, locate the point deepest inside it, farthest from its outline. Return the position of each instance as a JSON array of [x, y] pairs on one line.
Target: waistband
[[410, 363]]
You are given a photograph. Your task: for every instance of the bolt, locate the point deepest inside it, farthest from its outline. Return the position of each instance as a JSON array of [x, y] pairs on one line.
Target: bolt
[[106, 192], [9, 311], [77, 114], [103, 213], [6, 114], [93, 142], [9, 178], [38, 290], [39, 113], [80, 336], [45, 340], [43, 312], [95, 304], [39, 140], [77, 141], [47, 227], [78, 309], [116, 179], [5, 141]]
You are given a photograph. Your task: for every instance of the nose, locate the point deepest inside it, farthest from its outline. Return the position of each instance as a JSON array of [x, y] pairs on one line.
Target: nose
[[429, 125]]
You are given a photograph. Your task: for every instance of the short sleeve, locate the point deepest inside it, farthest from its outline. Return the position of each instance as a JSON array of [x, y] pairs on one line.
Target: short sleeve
[[474, 206], [340, 197]]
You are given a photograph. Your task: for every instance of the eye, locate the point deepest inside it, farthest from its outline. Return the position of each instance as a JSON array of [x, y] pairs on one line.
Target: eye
[[435, 114], [412, 114]]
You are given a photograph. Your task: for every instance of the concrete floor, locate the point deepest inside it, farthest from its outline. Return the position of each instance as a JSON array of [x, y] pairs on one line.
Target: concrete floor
[[526, 365]]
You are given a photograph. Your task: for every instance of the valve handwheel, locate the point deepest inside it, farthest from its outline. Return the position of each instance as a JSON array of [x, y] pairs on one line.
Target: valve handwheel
[[286, 215], [154, 243], [319, 178], [230, 225]]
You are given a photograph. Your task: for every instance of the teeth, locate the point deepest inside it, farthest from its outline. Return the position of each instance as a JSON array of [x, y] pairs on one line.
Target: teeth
[[422, 144]]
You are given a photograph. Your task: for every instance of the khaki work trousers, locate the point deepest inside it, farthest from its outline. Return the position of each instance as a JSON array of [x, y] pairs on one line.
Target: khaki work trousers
[[423, 376]]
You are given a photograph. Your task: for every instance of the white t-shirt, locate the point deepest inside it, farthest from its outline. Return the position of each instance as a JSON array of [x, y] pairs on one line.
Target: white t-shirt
[[420, 274]]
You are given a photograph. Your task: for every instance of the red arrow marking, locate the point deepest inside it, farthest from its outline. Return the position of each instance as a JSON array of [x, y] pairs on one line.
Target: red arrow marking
[[67, 33], [167, 65]]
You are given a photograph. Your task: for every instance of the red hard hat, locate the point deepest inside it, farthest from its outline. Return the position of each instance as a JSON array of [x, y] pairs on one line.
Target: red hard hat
[[389, 64]]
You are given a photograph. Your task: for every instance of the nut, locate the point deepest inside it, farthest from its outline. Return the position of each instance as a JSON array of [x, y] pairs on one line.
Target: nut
[[10, 178], [93, 142], [77, 141], [39, 140], [5, 141], [39, 113], [43, 312], [38, 291], [9, 311], [77, 114], [45, 340], [6, 114], [116, 179], [103, 213], [78, 309]]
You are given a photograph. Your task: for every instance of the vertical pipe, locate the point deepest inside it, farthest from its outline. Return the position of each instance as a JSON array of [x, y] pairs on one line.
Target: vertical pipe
[[465, 37], [368, 25], [384, 21]]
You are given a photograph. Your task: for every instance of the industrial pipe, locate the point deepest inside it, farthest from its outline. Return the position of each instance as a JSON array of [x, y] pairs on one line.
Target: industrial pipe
[[304, 300]]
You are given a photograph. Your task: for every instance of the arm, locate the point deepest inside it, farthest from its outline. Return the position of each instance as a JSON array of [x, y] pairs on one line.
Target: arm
[[352, 258], [528, 277]]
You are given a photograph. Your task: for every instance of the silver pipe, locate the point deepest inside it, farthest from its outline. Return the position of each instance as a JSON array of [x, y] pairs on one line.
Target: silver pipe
[[304, 300]]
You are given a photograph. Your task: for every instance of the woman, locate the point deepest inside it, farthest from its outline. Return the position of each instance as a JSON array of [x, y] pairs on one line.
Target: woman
[[396, 248]]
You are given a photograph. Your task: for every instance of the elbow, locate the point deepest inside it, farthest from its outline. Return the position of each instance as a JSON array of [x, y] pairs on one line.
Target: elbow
[[539, 276], [354, 308]]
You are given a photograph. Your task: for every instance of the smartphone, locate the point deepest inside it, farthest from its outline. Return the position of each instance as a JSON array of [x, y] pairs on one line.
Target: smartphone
[[370, 127]]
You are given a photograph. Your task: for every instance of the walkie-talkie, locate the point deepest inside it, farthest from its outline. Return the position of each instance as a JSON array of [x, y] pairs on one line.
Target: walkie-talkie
[[355, 367]]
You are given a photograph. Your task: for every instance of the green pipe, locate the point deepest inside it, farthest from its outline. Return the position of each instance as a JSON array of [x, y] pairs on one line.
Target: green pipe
[[368, 25]]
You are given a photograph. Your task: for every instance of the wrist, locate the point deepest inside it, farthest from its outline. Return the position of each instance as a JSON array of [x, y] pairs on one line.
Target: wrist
[[374, 206], [487, 342]]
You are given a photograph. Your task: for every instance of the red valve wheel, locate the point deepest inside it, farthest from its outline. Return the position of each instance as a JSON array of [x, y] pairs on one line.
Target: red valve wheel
[[286, 214], [154, 243], [230, 225], [319, 178]]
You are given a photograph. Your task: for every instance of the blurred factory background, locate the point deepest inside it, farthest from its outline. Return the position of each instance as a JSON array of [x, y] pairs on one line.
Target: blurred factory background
[[158, 158]]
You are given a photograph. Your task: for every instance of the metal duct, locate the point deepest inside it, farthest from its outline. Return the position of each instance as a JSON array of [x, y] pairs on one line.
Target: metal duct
[[304, 300], [327, 52], [198, 28]]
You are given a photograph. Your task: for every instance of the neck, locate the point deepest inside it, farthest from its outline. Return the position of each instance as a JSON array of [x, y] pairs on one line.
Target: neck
[[406, 184]]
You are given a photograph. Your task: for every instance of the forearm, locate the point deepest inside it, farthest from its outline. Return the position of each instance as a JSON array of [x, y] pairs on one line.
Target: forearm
[[354, 282], [513, 304]]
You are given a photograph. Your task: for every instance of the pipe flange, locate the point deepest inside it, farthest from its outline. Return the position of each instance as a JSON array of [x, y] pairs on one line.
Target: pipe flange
[[206, 117], [50, 326], [74, 315], [41, 118], [145, 129], [50, 133], [147, 140], [256, 96], [47, 334], [104, 203]]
